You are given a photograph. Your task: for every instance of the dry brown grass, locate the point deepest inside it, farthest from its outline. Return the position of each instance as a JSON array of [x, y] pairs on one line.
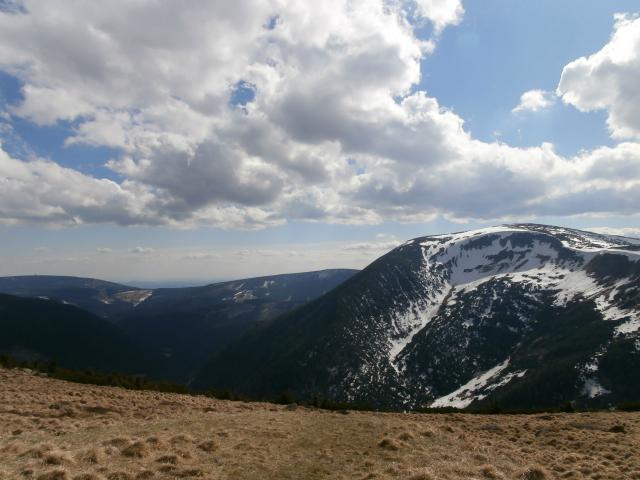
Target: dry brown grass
[[208, 446], [54, 430], [88, 476], [136, 450], [94, 455], [57, 474]]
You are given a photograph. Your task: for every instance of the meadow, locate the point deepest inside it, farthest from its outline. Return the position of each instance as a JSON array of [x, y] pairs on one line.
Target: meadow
[[56, 430]]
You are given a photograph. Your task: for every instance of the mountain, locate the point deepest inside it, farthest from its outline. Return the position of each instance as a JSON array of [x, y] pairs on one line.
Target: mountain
[[43, 330], [104, 299], [187, 325], [191, 324], [521, 315]]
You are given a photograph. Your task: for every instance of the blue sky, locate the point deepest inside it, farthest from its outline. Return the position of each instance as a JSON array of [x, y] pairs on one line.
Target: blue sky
[[481, 64], [503, 48]]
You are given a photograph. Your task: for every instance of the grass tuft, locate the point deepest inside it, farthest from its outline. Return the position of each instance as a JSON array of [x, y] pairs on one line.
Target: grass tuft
[[534, 473], [57, 474], [388, 444], [136, 450], [208, 446]]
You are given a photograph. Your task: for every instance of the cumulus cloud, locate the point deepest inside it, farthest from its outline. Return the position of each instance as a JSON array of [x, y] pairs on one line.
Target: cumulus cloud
[[335, 129], [441, 13], [42, 190], [608, 79], [104, 250], [534, 100]]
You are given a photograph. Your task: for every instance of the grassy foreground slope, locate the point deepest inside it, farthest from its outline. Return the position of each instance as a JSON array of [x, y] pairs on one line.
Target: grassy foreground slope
[[56, 430]]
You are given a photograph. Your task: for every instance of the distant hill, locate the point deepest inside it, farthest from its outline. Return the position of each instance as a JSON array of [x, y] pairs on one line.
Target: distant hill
[[187, 325], [45, 330], [104, 299]]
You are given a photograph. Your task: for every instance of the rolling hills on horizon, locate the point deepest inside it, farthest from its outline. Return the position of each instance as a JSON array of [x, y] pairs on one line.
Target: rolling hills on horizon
[[102, 298], [180, 327]]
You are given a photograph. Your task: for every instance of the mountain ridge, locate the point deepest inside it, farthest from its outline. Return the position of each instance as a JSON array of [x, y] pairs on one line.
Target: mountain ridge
[[97, 296], [453, 320]]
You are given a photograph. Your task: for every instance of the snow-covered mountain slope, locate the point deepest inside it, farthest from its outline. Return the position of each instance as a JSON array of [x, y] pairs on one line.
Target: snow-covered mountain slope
[[528, 315]]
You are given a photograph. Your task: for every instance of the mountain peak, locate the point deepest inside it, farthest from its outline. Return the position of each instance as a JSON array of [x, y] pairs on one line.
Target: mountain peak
[[570, 237]]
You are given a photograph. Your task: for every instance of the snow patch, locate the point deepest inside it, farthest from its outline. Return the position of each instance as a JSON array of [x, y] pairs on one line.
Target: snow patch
[[628, 327], [417, 316], [134, 297], [243, 296], [143, 296], [412, 322], [574, 284], [478, 388], [593, 389]]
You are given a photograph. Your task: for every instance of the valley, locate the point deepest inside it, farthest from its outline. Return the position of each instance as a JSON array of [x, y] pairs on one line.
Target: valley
[[170, 332]]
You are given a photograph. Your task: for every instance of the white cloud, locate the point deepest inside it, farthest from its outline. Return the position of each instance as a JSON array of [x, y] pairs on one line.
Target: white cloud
[[441, 13], [631, 232], [202, 256], [104, 250], [142, 250], [41, 190], [608, 79], [45, 106], [325, 79], [534, 101], [336, 132], [367, 248]]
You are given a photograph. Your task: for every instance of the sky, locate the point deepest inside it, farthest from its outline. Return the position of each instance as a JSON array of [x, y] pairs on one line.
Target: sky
[[202, 141]]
